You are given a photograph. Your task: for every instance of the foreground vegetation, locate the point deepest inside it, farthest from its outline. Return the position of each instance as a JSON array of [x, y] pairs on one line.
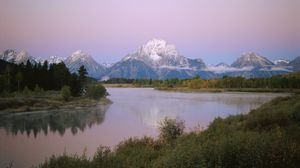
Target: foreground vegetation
[[266, 137]]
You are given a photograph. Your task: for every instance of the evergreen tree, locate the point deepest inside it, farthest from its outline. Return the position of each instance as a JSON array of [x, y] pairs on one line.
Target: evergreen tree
[[19, 78], [61, 75], [82, 78], [75, 86]]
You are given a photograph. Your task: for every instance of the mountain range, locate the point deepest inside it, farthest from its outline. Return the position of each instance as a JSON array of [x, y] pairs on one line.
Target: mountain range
[[159, 60]]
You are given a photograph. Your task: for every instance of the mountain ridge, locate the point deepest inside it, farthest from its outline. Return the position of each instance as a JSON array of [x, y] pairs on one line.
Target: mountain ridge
[[159, 60]]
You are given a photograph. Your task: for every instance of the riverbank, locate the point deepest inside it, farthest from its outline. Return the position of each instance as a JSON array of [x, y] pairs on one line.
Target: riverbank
[[209, 90], [217, 90], [50, 100], [119, 85]]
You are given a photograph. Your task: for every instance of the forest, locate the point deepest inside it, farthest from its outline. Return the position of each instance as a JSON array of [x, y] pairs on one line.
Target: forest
[[36, 87], [15, 77]]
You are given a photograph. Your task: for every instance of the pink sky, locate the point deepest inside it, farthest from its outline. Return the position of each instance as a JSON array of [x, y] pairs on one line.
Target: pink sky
[[215, 31]]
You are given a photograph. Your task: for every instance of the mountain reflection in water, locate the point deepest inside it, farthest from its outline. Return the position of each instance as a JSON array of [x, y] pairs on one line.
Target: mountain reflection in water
[[53, 121]]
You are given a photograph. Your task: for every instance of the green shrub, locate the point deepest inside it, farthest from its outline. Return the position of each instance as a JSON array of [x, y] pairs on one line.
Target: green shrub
[[96, 91], [170, 129], [65, 161], [4, 93], [37, 89], [104, 158], [137, 152], [66, 92], [296, 113], [26, 91]]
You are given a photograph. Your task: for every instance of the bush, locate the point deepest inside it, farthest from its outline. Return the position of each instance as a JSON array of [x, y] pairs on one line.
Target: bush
[[170, 129], [38, 90], [66, 92], [65, 161], [138, 152], [296, 113], [26, 91], [4, 93], [104, 158], [96, 91]]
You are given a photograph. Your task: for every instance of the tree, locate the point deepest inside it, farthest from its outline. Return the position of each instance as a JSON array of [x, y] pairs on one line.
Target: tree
[[19, 78], [82, 77], [66, 92], [8, 77], [75, 85], [61, 75]]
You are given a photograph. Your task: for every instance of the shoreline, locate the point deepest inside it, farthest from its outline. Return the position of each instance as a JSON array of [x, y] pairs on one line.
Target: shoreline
[[119, 85], [207, 90], [221, 90], [14, 105]]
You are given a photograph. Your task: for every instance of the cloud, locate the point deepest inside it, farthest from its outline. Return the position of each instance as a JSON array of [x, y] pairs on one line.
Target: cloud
[[223, 69]]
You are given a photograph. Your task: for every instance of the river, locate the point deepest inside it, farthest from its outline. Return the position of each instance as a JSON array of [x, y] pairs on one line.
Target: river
[[28, 139]]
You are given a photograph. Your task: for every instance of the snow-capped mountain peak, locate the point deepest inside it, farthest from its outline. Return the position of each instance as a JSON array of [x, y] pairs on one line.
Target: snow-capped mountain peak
[[158, 53], [8, 55], [251, 59], [79, 58], [156, 49], [79, 54], [16, 57], [55, 59], [157, 59]]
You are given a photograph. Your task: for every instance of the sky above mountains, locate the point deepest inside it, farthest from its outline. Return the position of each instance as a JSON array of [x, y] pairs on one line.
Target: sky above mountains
[[216, 31]]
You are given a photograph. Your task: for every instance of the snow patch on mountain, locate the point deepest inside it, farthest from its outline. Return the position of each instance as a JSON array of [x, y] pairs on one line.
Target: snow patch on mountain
[[223, 69], [107, 65], [79, 58], [281, 62], [55, 59]]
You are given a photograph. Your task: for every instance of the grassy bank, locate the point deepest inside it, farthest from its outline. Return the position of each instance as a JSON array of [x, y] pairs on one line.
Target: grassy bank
[[216, 90], [119, 85], [266, 137], [47, 100]]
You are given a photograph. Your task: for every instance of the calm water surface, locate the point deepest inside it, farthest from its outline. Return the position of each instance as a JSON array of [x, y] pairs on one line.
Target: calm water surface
[[28, 139]]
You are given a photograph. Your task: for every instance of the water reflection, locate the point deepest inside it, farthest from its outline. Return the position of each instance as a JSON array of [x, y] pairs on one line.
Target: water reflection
[[152, 106], [35, 123]]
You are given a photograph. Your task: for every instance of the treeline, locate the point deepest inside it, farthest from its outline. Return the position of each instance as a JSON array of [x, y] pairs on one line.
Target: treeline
[[119, 81], [278, 82], [15, 77]]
